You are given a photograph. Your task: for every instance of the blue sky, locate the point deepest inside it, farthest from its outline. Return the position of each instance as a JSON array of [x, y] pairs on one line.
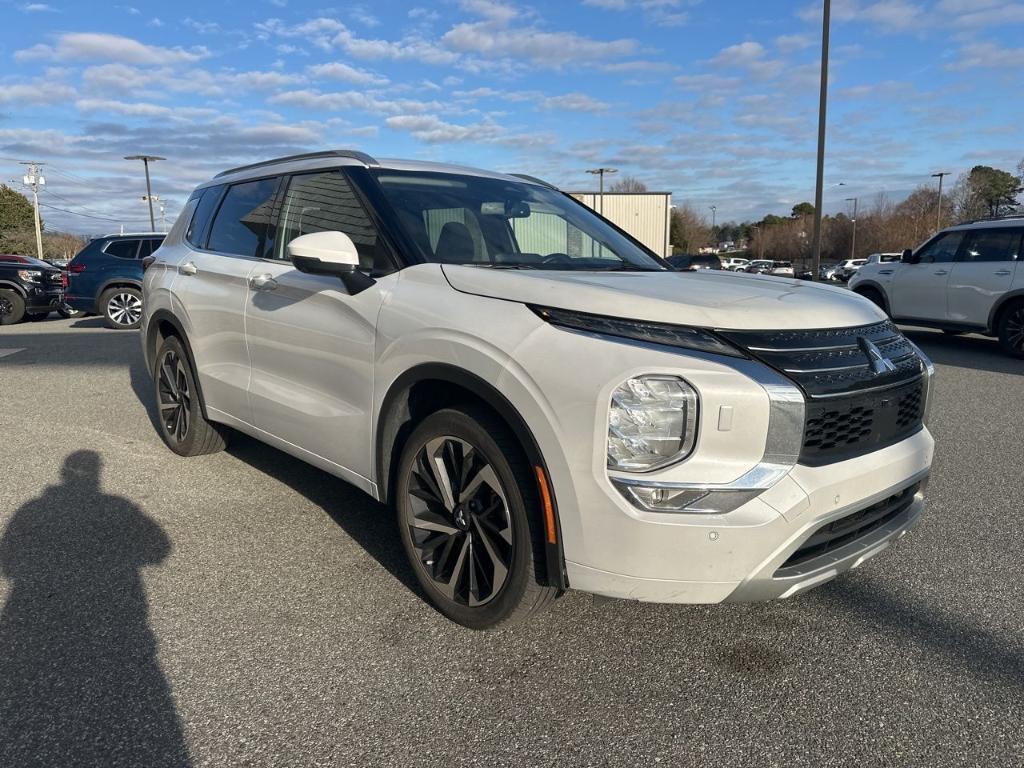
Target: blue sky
[[713, 101]]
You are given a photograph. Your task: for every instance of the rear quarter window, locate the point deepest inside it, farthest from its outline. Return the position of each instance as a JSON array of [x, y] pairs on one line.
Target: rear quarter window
[[200, 223], [122, 249]]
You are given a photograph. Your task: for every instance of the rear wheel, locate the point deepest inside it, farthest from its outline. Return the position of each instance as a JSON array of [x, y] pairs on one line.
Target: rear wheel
[[1011, 329], [182, 424], [874, 296], [122, 307], [12, 307], [467, 513]]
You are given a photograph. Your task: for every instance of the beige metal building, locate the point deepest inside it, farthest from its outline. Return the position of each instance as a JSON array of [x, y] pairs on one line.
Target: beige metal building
[[645, 215]]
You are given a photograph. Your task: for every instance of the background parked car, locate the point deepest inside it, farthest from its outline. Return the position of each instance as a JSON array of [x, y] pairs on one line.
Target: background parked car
[[883, 258], [782, 268], [827, 271], [734, 263], [848, 269], [691, 262], [106, 277], [759, 266], [29, 289]]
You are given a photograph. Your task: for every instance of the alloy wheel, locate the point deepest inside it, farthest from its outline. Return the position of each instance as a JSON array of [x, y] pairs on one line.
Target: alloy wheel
[[6, 307], [1015, 328], [174, 395], [124, 308], [459, 521]]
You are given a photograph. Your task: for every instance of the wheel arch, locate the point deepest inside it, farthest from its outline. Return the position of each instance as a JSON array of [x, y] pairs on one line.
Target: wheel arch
[[115, 282], [9, 284], [443, 385], [162, 324], [872, 285], [1005, 301]]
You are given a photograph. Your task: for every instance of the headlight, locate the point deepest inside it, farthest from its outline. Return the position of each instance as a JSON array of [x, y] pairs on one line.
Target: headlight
[[683, 336], [30, 275], [652, 422]]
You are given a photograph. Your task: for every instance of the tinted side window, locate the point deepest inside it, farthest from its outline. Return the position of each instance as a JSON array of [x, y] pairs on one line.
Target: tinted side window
[[148, 246], [325, 202], [992, 245], [123, 249], [942, 249], [201, 218], [242, 219]]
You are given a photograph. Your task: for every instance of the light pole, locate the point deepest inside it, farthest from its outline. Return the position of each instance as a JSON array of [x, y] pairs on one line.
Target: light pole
[[853, 240], [822, 103], [938, 207], [146, 159], [600, 172], [714, 213], [163, 209]]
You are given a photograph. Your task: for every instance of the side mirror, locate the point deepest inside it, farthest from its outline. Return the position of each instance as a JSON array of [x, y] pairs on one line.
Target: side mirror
[[907, 257], [329, 253]]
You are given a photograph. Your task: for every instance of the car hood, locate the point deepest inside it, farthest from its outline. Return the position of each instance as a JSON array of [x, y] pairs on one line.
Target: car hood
[[706, 298]]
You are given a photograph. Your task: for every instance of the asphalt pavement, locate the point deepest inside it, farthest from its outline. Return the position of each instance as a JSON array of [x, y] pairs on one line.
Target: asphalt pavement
[[245, 609]]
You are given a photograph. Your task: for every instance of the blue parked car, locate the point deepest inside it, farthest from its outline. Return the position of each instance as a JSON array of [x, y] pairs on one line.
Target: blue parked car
[[105, 278]]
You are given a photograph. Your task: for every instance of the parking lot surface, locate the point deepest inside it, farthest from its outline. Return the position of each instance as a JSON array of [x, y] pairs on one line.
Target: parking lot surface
[[245, 609]]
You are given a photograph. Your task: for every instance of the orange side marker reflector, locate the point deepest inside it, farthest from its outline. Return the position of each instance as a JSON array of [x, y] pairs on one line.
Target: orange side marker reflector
[[545, 501]]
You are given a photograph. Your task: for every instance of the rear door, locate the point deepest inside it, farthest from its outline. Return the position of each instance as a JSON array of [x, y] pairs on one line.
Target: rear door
[[311, 343], [984, 271], [227, 231], [919, 289]]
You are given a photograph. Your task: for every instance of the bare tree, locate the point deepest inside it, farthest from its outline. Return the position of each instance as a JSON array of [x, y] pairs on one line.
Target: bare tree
[[628, 184]]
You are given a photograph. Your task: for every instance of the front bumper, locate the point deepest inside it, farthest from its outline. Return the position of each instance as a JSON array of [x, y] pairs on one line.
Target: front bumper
[[740, 556], [43, 299]]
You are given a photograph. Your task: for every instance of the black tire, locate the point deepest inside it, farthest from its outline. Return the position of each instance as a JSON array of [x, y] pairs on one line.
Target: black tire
[[874, 296], [502, 523], [122, 307], [179, 412], [37, 317], [12, 307], [1011, 329]]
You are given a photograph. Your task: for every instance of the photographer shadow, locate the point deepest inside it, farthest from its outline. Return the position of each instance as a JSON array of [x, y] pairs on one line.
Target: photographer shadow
[[80, 683]]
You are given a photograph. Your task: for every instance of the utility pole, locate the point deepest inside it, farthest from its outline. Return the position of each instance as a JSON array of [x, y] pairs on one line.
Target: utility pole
[[600, 172], [146, 159], [163, 209], [34, 180], [822, 103], [938, 207], [853, 240], [714, 213]]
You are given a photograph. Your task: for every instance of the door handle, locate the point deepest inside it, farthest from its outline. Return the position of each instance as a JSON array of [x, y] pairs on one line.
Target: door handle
[[941, 272], [188, 268], [264, 282], [1003, 272]]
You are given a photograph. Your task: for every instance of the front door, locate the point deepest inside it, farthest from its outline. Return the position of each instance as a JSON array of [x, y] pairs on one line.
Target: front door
[[983, 272], [312, 344], [919, 289]]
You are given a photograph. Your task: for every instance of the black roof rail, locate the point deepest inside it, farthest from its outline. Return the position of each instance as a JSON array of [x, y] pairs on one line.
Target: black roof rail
[[534, 179], [1000, 217], [351, 153]]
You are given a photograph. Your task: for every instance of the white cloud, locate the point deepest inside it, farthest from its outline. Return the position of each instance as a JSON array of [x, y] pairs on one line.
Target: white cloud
[[490, 9], [142, 109], [38, 92], [340, 101], [430, 129], [337, 70], [739, 55], [792, 43], [38, 8], [575, 102], [665, 13], [551, 50], [988, 56], [95, 46]]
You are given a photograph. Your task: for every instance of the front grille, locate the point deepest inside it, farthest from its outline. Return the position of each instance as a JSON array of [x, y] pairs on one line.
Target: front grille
[[841, 428], [864, 385], [846, 529], [832, 361]]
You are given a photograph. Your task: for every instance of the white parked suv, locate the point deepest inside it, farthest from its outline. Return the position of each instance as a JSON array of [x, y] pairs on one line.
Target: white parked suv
[[735, 263], [967, 278], [545, 403], [848, 269]]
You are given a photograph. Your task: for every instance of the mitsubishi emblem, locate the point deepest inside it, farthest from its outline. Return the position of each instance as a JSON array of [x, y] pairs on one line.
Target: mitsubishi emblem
[[876, 360]]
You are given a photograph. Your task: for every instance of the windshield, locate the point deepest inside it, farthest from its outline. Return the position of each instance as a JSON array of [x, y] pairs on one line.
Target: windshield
[[456, 219]]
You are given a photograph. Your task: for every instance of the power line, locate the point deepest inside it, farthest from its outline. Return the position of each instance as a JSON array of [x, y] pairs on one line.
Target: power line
[[86, 215], [72, 202]]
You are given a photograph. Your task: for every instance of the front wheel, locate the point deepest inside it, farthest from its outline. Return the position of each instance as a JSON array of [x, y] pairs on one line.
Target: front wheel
[[468, 515], [12, 307], [122, 307], [1011, 330], [183, 426]]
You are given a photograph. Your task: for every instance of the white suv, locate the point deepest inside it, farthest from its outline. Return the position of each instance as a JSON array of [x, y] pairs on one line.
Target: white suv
[[734, 263], [967, 278], [544, 402]]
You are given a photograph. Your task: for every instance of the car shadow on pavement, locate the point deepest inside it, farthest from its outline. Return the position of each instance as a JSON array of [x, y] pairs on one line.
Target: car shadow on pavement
[[369, 523], [977, 352], [970, 648], [80, 682]]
